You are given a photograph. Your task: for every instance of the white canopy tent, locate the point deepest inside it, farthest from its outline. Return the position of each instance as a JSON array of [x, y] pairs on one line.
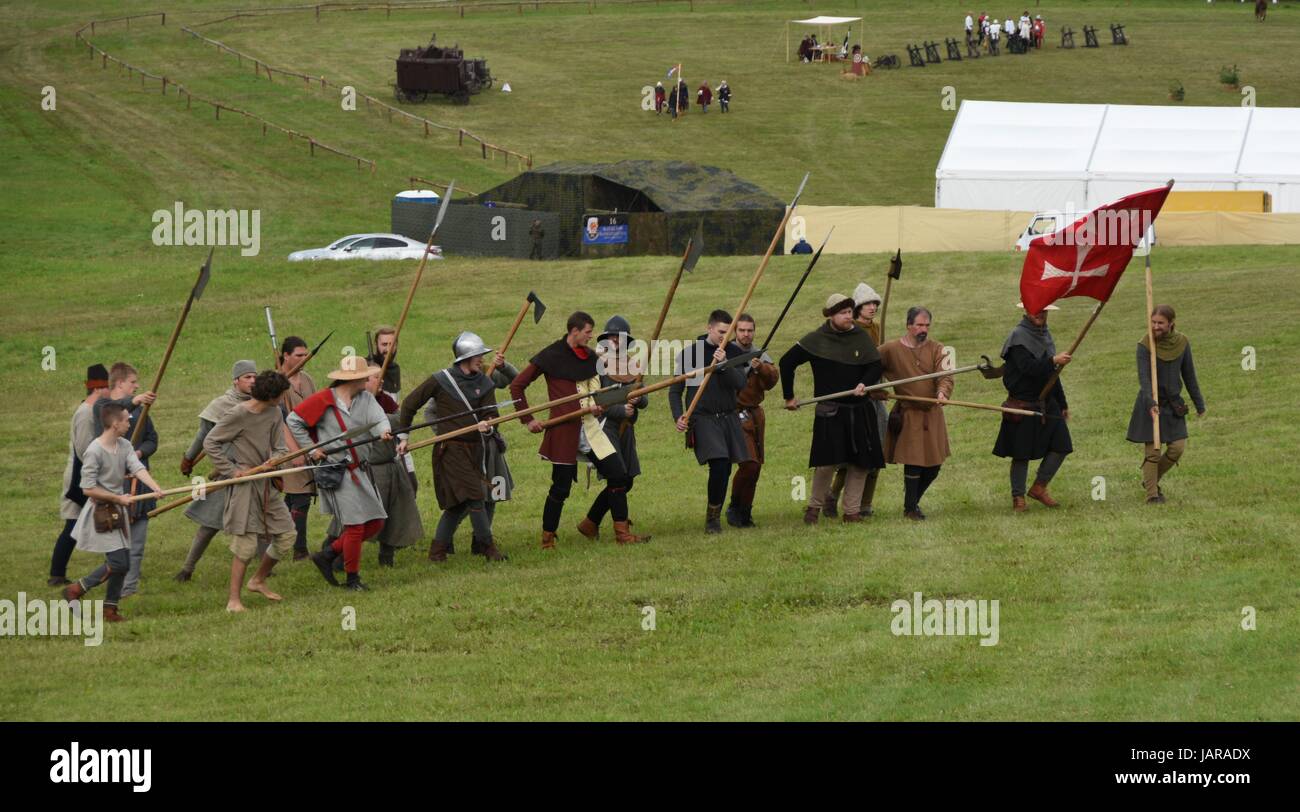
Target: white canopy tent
[[824, 24], [1014, 156]]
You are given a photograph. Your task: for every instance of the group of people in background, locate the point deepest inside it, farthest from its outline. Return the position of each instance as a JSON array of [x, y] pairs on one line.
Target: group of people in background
[[677, 100], [985, 29]]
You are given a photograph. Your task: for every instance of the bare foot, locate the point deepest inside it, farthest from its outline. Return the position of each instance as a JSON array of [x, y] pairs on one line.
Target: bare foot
[[260, 586], [234, 606]]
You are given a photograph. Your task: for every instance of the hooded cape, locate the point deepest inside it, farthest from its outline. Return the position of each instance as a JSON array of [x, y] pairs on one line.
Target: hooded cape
[[854, 347]]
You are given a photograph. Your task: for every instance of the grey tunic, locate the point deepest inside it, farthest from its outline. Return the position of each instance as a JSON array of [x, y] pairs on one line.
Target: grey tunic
[[1171, 375], [243, 439], [403, 527], [106, 470], [355, 501], [210, 511], [80, 434]]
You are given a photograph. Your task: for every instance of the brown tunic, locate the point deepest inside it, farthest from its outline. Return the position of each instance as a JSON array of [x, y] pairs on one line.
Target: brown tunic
[[459, 464], [758, 381], [251, 507], [300, 482], [924, 437]]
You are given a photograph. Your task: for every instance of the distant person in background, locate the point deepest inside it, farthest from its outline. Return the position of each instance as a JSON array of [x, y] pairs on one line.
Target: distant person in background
[[1025, 33], [683, 97], [659, 98], [1038, 30], [1009, 27], [724, 96], [970, 27], [672, 103], [995, 34], [983, 26], [801, 247], [537, 233], [704, 97], [805, 49]]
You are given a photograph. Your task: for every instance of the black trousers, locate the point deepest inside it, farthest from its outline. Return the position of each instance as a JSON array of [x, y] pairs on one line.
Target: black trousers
[[299, 505], [63, 547], [916, 480], [719, 476], [617, 483]]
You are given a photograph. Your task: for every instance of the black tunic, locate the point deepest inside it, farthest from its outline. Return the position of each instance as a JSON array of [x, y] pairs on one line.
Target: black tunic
[[715, 426], [1022, 437], [844, 429]]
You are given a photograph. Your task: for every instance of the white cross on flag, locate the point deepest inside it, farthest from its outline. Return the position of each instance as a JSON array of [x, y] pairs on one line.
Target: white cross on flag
[[1088, 257]]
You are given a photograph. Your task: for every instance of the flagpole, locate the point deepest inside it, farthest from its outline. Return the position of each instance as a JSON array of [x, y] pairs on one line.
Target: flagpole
[[1151, 351], [1056, 373]]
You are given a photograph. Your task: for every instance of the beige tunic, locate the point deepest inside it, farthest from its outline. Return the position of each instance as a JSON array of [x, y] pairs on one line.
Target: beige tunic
[[924, 438], [106, 470], [80, 435], [300, 482], [251, 507]]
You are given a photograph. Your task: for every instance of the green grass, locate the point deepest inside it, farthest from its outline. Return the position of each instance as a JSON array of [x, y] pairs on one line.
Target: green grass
[[1109, 609]]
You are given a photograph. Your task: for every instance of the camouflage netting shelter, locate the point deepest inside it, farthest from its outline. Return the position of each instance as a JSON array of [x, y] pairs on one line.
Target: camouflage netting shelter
[[662, 200]]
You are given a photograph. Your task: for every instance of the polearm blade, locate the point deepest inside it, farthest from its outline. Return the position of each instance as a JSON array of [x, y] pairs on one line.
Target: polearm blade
[[195, 292], [270, 328], [749, 292], [895, 271], [797, 288], [415, 283], [694, 248], [275, 462]]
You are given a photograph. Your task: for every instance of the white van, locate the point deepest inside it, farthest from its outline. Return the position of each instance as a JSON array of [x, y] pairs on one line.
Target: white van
[[1047, 222]]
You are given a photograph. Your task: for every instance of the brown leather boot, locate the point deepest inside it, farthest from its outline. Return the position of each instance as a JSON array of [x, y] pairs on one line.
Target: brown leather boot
[[1018, 504], [589, 528], [488, 549], [73, 591], [852, 518], [111, 614], [1039, 492], [711, 519], [810, 515], [623, 534], [548, 540], [438, 551]]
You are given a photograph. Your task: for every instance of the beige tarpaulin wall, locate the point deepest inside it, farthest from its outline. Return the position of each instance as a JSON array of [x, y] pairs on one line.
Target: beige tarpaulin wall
[[879, 229]]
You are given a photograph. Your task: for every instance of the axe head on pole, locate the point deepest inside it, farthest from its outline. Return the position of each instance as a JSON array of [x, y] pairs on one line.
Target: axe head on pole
[[696, 248], [205, 273], [896, 264], [539, 309]]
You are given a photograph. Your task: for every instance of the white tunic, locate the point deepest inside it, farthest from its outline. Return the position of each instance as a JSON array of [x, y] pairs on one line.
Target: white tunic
[[80, 435]]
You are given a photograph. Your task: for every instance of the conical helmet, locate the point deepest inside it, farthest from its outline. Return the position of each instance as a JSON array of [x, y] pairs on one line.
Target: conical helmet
[[468, 345]]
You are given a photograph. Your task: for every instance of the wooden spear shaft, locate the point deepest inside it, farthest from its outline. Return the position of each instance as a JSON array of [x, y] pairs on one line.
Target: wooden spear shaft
[[410, 296], [943, 373], [884, 307], [633, 394], [162, 368], [503, 418], [223, 483], [1056, 373], [968, 404], [744, 303], [510, 336], [1151, 352]]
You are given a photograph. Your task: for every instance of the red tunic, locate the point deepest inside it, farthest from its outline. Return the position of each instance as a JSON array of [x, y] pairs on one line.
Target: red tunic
[[559, 443]]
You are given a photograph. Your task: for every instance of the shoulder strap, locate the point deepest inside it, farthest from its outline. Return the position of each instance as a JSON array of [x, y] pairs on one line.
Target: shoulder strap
[[343, 427]]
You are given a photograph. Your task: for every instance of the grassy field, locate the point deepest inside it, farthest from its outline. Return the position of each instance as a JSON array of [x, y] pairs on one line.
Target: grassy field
[[1109, 609]]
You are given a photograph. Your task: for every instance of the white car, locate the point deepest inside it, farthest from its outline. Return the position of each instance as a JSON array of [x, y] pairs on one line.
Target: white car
[[368, 246], [1048, 222]]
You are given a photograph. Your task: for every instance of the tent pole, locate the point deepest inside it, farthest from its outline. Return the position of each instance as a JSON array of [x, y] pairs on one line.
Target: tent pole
[[787, 43]]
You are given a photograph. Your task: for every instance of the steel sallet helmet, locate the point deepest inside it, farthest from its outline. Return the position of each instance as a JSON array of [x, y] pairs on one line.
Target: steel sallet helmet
[[468, 345]]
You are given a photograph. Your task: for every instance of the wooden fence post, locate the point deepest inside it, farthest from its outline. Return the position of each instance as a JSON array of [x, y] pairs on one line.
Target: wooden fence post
[[312, 143], [216, 108], [188, 99], [484, 146], [164, 83], [426, 129], [318, 14]]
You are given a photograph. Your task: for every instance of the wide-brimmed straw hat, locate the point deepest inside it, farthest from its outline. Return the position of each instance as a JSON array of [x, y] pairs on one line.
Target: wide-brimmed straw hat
[[353, 368]]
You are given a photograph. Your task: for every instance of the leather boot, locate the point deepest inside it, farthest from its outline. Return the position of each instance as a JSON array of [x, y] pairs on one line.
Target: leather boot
[[111, 615], [324, 561], [852, 518], [488, 549], [548, 540], [73, 591], [747, 516], [711, 519], [1039, 492], [1018, 504], [57, 580], [735, 515], [810, 515], [438, 551], [623, 534], [386, 552], [589, 528], [831, 508]]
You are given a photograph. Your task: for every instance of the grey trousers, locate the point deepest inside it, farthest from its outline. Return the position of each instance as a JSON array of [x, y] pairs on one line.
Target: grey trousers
[[139, 531]]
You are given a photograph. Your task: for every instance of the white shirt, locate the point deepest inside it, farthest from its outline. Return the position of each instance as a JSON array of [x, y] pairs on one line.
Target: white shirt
[[1010, 27], [969, 23]]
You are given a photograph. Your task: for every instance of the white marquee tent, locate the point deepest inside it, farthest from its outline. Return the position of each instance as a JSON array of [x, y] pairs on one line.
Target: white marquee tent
[[1032, 157], [825, 25]]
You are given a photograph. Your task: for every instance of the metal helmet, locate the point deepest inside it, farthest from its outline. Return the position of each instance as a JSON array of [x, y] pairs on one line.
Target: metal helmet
[[468, 345], [615, 325]]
